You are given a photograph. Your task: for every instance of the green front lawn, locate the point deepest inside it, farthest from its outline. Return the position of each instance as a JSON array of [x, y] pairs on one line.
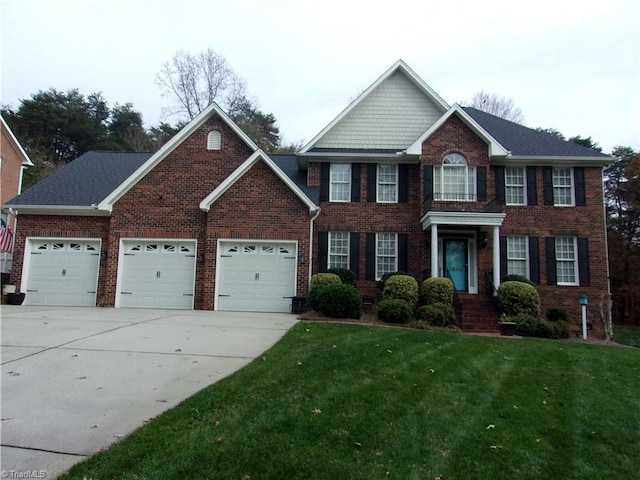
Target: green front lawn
[[333, 401]]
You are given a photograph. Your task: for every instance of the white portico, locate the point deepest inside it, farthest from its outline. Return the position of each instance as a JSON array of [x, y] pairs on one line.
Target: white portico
[[454, 254]]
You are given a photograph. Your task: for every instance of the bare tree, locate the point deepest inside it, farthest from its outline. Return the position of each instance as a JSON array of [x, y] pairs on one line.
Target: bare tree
[[196, 81], [502, 107]]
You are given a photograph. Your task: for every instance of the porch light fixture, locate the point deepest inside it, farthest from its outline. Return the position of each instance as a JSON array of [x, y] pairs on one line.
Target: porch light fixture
[[484, 239]]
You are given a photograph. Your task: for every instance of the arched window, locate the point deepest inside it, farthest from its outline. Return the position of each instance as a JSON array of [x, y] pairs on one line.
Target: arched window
[[214, 140], [455, 180]]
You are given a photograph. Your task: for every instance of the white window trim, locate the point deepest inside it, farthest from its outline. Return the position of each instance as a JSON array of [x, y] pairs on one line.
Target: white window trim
[[379, 190], [576, 273], [331, 182], [571, 187], [395, 269], [470, 188], [347, 255], [526, 259], [524, 186]]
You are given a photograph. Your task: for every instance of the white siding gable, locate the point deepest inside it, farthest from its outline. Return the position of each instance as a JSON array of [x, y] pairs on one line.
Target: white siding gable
[[392, 116]]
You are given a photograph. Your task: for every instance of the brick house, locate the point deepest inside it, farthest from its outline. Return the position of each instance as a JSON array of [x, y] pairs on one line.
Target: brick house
[[399, 181], [13, 161]]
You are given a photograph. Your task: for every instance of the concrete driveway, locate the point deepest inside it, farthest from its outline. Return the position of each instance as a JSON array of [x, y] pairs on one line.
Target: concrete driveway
[[75, 380]]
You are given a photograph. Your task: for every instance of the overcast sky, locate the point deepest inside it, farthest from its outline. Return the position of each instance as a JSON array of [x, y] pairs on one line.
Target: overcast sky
[[568, 64]]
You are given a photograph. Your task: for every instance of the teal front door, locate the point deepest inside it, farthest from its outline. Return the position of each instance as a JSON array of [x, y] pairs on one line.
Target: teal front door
[[455, 263]]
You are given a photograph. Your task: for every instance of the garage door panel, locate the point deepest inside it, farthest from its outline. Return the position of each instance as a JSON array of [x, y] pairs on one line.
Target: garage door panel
[[158, 274], [63, 272], [256, 276]]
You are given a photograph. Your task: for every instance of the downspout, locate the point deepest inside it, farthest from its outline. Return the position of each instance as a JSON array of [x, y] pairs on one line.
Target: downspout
[[317, 214]]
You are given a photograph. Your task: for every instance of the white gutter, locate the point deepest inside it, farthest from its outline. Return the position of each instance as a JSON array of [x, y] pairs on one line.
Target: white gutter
[[311, 243]]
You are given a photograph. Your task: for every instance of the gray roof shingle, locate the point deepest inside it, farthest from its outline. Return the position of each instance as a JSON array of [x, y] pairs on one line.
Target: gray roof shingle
[[524, 141], [86, 181], [289, 165]]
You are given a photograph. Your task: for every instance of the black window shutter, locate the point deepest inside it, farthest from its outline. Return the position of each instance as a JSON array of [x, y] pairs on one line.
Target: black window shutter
[[428, 182], [547, 181], [532, 186], [324, 181], [550, 247], [503, 256], [499, 176], [403, 252], [355, 182], [583, 261], [534, 260], [403, 183], [323, 251], [481, 180], [370, 273], [372, 181], [581, 190], [354, 253]]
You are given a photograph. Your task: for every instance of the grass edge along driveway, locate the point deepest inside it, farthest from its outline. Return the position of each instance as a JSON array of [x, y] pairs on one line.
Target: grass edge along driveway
[[348, 401]]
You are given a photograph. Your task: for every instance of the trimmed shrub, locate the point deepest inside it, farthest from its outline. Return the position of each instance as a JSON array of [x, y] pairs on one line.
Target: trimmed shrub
[[335, 300], [437, 314], [324, 279], [519, 298], [530, 326], [518, 278], [437, 290], [346, 276], [393, 310], [557, 315], [387, 276], [402, 287]]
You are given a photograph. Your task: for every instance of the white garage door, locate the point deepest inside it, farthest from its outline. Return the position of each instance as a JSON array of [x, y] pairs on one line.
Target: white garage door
[[256, 276], [62, 272], [157, 274]]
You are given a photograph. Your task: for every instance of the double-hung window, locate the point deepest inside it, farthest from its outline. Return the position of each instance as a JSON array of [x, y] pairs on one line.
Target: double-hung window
[[387, 183], [563, 186], [454, 180], [514, 186], [566, 261], [517, 256], [386, 254], [340, 182], [338, 250]]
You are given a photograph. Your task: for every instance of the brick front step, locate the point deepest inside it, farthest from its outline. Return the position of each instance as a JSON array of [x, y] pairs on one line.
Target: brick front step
[[476, 312]]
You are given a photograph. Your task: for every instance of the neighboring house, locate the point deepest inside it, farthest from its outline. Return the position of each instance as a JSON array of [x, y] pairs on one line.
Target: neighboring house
[[13, 161], [399, 181]]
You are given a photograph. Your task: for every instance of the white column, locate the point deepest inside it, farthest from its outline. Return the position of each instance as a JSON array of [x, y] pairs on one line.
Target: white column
[[434, 250], [496, 257]]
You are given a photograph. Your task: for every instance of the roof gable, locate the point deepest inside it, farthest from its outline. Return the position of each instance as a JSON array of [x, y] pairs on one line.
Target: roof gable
[[167, 148], [228, 182], [26, 161], [389, 115], [495, 148]]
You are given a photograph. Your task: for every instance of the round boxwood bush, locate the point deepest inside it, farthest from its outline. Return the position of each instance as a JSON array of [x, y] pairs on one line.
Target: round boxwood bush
[[401, 287], [393, 310], [387, 276], [437, 290], [324, 278], [531, 326], [437, 314], [517, 298], [346, 276], [335, 300]]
